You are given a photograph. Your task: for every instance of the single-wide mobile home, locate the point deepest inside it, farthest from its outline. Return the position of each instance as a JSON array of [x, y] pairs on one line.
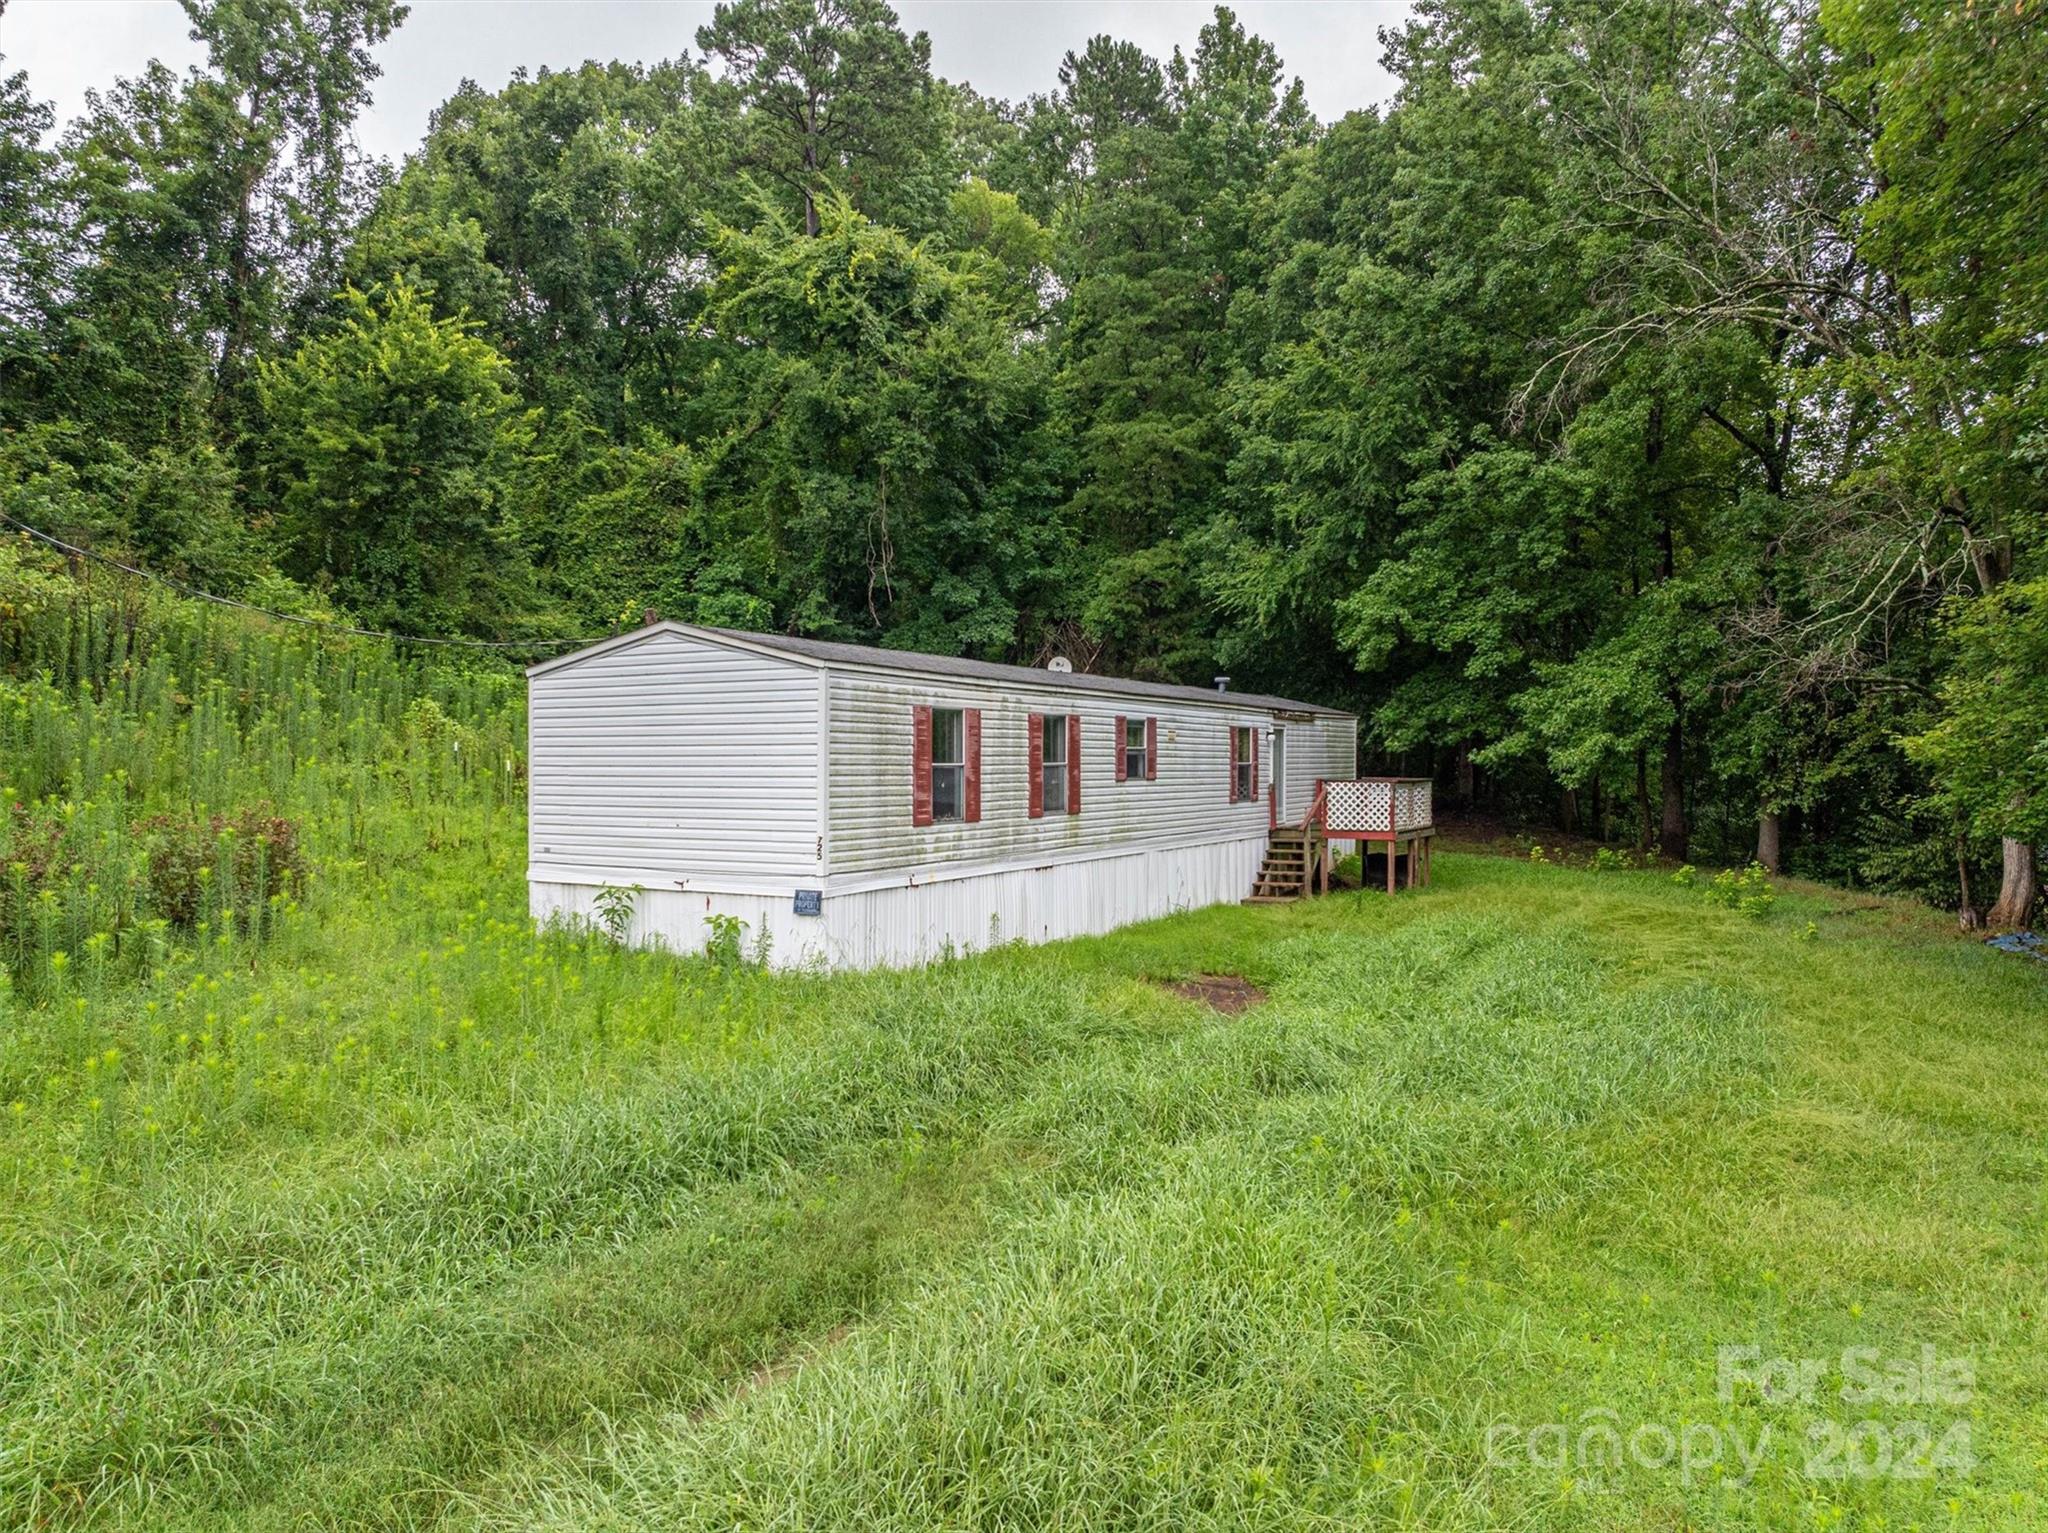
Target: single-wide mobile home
[[856, 807]]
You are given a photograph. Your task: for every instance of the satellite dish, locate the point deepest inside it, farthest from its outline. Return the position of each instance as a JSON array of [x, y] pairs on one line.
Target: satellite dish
[[1060, 665]]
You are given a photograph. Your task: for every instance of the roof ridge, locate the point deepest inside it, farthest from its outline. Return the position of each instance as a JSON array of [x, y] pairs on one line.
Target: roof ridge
[[825, 651]]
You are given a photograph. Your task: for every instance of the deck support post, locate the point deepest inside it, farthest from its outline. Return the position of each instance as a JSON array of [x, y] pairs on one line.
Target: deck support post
[[1391, 813]]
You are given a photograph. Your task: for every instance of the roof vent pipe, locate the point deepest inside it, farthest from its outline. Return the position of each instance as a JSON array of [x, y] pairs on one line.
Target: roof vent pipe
[[1222, 683]]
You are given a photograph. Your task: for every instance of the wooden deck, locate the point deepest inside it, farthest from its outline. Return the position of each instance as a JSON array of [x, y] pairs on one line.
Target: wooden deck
[[1394, 815]]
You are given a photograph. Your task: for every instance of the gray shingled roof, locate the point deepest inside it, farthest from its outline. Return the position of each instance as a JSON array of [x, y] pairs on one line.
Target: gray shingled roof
[[830, 652]]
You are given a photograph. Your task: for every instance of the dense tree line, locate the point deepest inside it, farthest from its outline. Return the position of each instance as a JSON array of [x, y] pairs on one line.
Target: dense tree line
[[1639, 419]]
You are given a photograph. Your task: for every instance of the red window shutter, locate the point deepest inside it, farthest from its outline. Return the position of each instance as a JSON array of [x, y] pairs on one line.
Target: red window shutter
[[1073, 763], [1151, 749], [1230, 734], [1035, 723], [920, 766], [971, 773], [1122, 761], [1255, 765]]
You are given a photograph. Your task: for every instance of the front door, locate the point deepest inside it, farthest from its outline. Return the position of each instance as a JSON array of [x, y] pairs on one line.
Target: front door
[[1280, 772]]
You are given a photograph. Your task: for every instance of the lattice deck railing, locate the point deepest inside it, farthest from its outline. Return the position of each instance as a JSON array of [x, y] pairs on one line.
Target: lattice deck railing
[[1377, 806]]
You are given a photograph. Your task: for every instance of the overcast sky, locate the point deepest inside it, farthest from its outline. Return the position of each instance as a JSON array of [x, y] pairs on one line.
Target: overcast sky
[[1007, 48]]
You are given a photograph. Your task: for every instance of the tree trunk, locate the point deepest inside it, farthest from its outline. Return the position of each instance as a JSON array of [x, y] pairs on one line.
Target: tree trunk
[[235, 333], [1671, 840], [1568, 812], [1767, 840], [2018, 889], [1642, 802], [1968, 916], [1465, 776], [811, 166]]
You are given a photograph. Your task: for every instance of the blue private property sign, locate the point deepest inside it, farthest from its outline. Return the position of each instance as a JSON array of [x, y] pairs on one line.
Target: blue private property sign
[[810, 902]]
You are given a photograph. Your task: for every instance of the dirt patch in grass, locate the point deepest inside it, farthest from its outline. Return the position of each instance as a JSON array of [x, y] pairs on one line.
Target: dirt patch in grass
[[1227, 993], [774, 1371]]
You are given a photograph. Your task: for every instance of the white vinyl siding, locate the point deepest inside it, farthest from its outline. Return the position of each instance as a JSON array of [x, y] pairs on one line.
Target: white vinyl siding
[[870, 765], [724, 778], [674, 759], [1317, 750]]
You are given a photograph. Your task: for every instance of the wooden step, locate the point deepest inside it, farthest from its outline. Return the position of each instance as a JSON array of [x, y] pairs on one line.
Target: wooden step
[[1287, 873]]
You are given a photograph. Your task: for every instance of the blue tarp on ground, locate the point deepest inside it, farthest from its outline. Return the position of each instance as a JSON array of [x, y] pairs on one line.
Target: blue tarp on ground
[[2027, 944]]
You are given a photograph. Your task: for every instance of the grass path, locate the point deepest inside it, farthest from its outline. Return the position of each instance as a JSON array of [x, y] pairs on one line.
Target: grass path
[[441, 1226]]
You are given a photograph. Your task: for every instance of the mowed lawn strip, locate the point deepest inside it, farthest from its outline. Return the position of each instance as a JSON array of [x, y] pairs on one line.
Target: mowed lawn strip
[[1528, 1150], [476, 1229]]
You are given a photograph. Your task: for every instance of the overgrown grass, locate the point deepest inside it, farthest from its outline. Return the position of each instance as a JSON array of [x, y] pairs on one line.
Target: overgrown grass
[[397, 1214]]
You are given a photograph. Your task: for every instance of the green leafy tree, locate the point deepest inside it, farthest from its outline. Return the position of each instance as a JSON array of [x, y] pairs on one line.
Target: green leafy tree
[[1164, 167], [1646, 404], [196, 217], [109, 369], [288, 79], [128, 334], [1016, 249], [1961, 153], [28, 229], [1836, 188], [605, 524], [825, 97], [876, 473], [569, 215], [1989, 748], [389, 448], [1378, 512]]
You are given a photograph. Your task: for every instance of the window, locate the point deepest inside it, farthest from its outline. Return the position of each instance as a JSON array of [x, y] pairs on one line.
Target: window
[[945, 765], [1052, 774], [949, 764], [1137, 748], [1244, 763]]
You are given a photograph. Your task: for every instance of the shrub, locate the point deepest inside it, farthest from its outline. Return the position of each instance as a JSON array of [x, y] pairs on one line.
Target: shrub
[[722, 942], [615, 911], [35, 850], [225, 862], [1748, 891], [66, 876]]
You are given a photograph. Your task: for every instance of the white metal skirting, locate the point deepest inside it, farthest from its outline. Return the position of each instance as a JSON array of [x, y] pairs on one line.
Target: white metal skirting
[[903, 925]]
